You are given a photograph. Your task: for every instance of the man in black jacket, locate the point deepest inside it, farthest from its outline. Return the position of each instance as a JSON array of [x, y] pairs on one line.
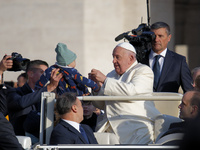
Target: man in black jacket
[[4, 65], [25, 100], [8, 139]]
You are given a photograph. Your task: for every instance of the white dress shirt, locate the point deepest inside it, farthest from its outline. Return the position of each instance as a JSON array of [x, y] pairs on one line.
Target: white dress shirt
[[161, 60], [73, 124]]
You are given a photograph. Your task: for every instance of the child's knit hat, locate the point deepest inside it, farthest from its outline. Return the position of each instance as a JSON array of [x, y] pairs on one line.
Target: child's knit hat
[[64, 55]]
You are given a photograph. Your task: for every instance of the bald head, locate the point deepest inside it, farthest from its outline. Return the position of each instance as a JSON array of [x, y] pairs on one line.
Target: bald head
[[190, 105]]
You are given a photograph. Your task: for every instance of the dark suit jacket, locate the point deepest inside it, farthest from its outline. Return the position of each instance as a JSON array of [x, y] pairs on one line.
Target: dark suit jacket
[[64, 133], [20, 102], [91, 122], [3, 101], [178, 127], [8, 139], [175, 73]]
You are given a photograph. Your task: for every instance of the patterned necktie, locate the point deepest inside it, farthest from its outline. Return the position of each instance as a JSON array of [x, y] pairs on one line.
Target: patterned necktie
[[156, 70], [84, 134]]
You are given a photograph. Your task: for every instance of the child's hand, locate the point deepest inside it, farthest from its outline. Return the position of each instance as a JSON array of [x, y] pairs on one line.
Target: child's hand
[[97, 76], [87, 94]]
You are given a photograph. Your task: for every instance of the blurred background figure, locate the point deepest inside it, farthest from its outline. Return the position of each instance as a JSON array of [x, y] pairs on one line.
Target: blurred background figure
[[197, 83], [21, 79], [90, 117], [195, 73]]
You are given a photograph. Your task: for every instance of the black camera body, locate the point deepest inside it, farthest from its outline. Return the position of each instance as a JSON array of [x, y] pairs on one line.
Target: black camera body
[[141, 38], [19, 63]]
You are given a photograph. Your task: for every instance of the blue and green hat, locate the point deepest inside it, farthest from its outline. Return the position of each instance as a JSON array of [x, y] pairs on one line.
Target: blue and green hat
[[64, 56]]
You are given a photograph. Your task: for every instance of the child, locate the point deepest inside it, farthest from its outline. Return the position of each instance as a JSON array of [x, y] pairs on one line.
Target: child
[[72, 80]]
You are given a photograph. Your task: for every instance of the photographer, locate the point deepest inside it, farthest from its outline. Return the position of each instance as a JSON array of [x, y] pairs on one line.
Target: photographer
[[24, 101], [8, 139], [4, 65]]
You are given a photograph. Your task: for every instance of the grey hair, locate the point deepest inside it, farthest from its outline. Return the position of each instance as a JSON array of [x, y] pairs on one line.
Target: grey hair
[[158, 25], [195, 70]]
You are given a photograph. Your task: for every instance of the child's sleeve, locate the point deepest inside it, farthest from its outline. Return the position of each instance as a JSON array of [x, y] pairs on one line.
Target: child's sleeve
[[77, 77], [45, 77]]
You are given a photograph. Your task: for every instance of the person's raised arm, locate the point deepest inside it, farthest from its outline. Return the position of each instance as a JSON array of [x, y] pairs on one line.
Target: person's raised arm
[[5, 64], [54, 80], [17, 101]]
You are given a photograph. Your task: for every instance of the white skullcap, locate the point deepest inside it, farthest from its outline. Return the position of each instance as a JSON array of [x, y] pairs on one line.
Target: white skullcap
[[127, 46]]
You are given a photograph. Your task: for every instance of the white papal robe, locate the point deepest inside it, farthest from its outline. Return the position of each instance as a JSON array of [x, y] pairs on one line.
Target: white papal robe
[[131, 121]]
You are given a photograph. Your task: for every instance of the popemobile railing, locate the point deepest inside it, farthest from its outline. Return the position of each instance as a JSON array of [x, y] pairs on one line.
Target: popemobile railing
[[47, 119], [156, 96]]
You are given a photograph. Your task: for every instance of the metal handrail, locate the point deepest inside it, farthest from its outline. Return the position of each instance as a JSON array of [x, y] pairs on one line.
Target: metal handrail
[[155, 96]]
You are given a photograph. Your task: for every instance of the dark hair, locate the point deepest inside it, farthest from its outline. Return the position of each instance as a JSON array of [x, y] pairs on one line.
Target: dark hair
[[35, 63], [158, 25], [65, 102], [23, 75]]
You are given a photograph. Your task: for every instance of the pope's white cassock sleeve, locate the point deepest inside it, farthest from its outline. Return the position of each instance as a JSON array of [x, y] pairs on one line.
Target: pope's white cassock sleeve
[[131, 121]]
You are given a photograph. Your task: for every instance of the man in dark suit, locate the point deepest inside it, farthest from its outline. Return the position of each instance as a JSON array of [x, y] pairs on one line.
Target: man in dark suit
[[8, 139], [5, 64], [69, 130], [170, 69], [189, 109], [24, 100]]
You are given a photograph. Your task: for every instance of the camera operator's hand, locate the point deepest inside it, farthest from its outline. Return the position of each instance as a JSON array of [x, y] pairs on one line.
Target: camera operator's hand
[[5, 63], [54, 80]]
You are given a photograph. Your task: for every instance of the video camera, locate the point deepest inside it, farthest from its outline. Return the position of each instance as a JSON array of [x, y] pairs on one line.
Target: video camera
[[19, 63], [140, 38]]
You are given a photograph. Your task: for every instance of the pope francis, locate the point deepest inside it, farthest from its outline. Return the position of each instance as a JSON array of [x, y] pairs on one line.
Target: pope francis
[[131, 121]]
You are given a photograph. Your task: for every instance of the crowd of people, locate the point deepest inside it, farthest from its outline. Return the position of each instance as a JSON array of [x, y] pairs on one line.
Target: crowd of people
[[132, 122]]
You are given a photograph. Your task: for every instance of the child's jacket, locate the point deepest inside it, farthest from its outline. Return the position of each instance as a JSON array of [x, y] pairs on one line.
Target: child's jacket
[[72, 81]]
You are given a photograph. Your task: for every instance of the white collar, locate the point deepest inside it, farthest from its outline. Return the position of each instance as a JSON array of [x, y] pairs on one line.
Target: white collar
[[135, 63], [73, 124], [62, 66], [153, 54]]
